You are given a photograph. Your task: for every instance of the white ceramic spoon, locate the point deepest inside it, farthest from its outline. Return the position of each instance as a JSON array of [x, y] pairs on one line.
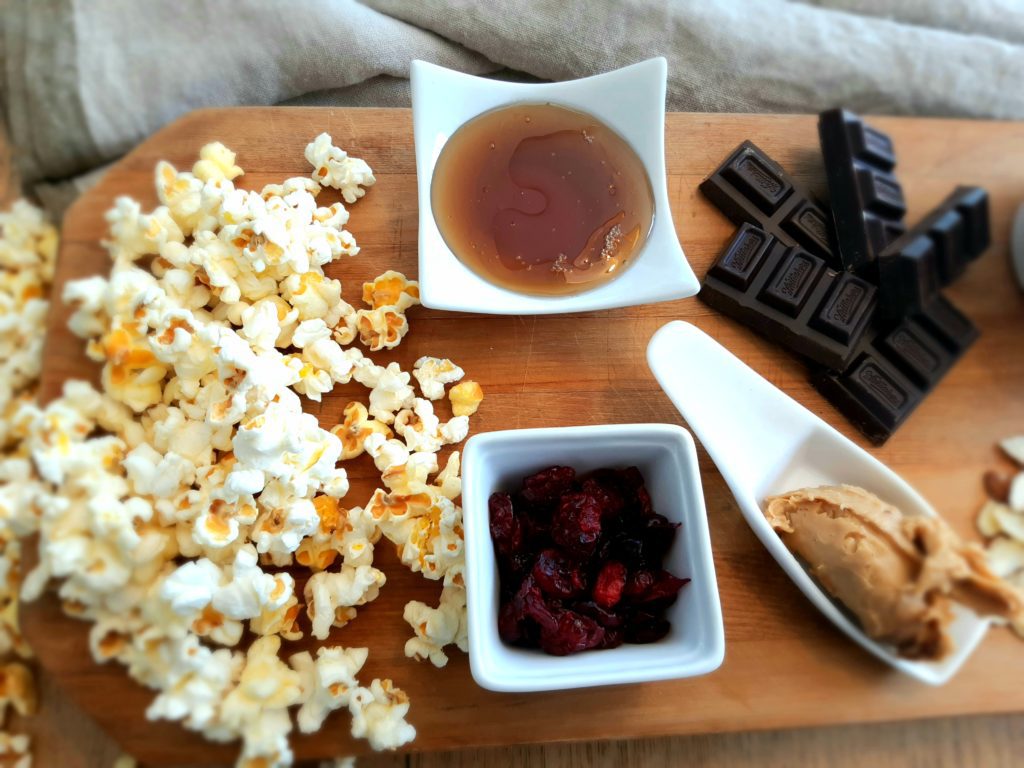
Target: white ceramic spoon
[[765, 443]]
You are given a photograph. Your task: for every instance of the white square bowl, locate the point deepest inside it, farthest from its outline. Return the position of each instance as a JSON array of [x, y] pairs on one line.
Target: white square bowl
[[666, 457], [631, 101]]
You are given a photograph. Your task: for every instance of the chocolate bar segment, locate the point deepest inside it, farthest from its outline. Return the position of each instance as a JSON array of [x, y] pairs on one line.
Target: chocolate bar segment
[[893, 373], [846, 310], [793, 281], [872, 394], [934, 252], [751, 188], [867, 200], [907, 277], [958, 244], [948, 325], [790, 297]]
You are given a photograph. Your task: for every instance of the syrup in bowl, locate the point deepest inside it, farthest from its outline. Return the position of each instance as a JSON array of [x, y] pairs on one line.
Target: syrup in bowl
[[541, 199]]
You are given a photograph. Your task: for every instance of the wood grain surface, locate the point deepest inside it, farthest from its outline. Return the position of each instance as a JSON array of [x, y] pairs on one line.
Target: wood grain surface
[[785, 665]]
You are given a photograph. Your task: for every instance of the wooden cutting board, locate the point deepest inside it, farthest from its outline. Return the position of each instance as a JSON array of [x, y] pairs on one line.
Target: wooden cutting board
[[785, 665]]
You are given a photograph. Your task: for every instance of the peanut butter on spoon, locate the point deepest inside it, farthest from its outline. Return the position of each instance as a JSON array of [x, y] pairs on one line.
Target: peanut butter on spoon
[[899, 575]]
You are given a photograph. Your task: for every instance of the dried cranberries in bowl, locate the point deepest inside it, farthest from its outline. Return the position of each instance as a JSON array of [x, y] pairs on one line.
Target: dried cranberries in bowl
[[580, 561]]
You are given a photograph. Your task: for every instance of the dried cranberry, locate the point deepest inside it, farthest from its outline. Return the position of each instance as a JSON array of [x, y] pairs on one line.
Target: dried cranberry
[[604, 617], [613, 638], [606, 495], [610, 582], [509, 623], [576, 525], [556, 575], [512, 567], [506, 531], [643, 501], [657, 535], [665, 586], [548, 485], [629, 477], [637, 584], [530, 604], [647, 628], [571, 633], [630, 550]]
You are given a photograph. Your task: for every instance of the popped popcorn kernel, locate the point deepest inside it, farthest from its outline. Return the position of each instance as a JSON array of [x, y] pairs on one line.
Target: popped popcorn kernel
[[332, 167], [437, 627], [17, 690], [216, 163], [382, 328], [433, 373], [465, 398], [391, 289], [378, 715], [355, 427]]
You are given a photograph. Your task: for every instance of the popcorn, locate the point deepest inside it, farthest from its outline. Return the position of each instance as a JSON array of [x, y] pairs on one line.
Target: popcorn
[[17, 690], [378, 715], [465, 398], [392, 289], [433, 373], [332, 167], [390, 392], [423, 431], [355, 427], [331, 598], [327, 682], [355, 536], [249, 591], [198, 679], [437, 627], [190, 588], [216, 163], [17, 745], [167, 504], [382, 328], [386, 452], [134, 234], [431, 543], [448, 480], [257, 707]]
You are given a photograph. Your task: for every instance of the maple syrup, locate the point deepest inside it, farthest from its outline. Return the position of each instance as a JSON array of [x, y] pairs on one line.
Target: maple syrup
[[541, 199]]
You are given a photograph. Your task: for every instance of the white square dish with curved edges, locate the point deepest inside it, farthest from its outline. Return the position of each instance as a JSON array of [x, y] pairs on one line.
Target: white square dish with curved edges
[[631, 101], [667, 458]]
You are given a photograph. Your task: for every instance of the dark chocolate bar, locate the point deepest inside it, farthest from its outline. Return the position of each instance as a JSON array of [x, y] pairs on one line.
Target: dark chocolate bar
[[893, 373], [751, 188], [789, 296], [866, 199], [934, 252]]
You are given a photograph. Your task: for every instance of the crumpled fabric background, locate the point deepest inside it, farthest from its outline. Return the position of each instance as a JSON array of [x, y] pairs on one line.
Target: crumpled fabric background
[[85, 80]]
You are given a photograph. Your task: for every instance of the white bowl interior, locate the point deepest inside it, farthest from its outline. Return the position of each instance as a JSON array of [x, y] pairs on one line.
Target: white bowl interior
[[499, 461], [631, 101]]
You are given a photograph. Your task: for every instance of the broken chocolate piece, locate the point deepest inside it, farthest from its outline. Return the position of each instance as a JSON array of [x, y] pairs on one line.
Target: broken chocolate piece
[[866, 199], [751, 188]]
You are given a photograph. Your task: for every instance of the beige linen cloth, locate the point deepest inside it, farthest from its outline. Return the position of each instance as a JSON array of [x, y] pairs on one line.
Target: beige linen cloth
[[85, 80]]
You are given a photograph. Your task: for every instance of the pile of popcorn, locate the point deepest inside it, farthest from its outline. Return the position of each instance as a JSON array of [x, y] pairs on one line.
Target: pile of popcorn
[[28, 250], [168, 503]]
